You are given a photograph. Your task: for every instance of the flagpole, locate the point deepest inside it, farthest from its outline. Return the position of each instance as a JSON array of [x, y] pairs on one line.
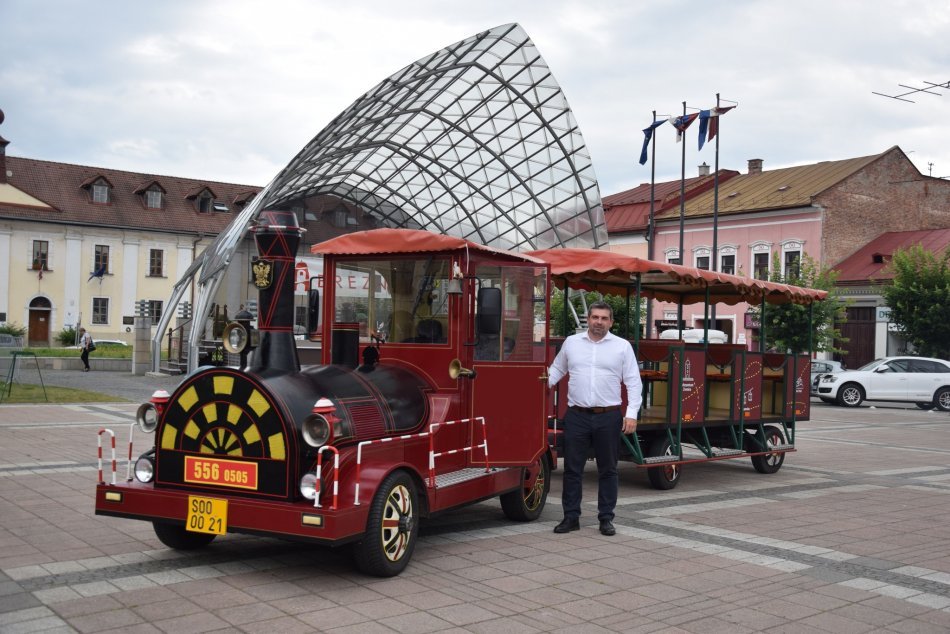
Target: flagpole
[[679, 306], [715, 244], [651, 226]]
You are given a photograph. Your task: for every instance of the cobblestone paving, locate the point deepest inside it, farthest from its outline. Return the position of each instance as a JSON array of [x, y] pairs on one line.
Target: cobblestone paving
[[851, 535]]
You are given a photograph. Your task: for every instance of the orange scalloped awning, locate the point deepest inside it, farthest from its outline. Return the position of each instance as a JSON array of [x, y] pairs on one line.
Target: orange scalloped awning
[[391, 241]]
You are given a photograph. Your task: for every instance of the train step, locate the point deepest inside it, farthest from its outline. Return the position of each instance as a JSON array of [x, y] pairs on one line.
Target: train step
[[727, 452], [462, 475]]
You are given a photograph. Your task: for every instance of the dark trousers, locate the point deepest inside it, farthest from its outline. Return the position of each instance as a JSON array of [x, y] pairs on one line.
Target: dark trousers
[[84, 355], [581, 432]]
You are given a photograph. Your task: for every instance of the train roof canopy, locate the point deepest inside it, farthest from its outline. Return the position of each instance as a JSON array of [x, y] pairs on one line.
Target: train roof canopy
[[616, 273], [400, 241]]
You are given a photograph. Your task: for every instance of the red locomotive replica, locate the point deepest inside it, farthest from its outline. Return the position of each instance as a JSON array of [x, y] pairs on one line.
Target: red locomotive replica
[[431, 394]]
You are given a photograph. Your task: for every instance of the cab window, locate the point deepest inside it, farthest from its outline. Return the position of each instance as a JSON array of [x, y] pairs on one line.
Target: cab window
[[520, 298]]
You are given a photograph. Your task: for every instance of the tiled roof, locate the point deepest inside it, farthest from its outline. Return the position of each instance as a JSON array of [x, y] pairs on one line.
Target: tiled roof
[[777, 189], [870, 262], [630, 210], [60, 185]]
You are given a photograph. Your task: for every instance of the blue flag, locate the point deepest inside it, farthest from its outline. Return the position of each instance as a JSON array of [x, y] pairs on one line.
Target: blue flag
[[703, 125], [647, 135], [99, 272]]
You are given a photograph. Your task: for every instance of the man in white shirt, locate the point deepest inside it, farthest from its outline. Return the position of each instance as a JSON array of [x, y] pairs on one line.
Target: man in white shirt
[[597, 362]]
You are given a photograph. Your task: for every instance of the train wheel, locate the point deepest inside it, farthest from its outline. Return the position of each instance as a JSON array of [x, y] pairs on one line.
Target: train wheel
[[391, 529], [666, 477], [770, 462], [177, 537], [850, 395], [942, 399], [526, 503]]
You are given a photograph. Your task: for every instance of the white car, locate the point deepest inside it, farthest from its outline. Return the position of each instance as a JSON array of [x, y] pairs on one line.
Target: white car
[[919, 380], [821, 367], [695, 335]]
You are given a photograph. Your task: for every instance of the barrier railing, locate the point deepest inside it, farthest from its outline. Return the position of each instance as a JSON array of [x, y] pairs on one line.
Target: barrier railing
[[99, 443], [336, 475], [434, 427]]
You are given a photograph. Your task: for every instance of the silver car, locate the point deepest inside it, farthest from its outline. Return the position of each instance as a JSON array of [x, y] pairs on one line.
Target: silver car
[[919, 380]]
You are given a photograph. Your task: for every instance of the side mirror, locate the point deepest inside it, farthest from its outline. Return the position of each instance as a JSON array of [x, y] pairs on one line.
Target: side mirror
[[489, 311], [313, 311], [881, 368]]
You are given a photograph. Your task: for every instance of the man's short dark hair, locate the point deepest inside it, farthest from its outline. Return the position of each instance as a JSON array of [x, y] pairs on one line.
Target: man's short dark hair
[[602, 306]]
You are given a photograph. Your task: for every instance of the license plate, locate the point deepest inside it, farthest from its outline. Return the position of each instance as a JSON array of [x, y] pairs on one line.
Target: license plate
[[207, 515]]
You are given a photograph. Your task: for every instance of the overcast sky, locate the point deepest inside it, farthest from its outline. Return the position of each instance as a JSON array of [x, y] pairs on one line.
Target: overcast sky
[[230, 90]]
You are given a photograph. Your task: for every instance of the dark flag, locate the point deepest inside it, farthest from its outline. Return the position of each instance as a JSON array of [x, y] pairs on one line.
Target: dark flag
[[681, 123], [99, 272], [704, 116], [647, 135]]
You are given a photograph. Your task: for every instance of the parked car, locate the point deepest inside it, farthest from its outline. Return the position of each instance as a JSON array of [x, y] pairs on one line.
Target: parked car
[[919, 380], [820, 367], [695, 335]]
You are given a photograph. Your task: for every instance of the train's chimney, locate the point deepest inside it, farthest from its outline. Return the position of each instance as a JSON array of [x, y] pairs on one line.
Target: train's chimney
[[277, 235]]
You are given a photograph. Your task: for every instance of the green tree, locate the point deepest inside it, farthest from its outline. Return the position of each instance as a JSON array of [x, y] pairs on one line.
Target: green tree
[[786, 325], [919, 299], [617, 303]]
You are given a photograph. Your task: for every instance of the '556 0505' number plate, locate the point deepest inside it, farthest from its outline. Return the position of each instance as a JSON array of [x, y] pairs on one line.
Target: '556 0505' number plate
[[207, 515], [221, 472]]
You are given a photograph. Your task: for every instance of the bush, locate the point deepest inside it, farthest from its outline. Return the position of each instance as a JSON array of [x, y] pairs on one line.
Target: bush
[[12, 328], [67, 336]]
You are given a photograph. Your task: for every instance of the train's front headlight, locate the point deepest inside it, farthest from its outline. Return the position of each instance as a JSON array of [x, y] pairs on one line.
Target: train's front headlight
[[316, 430], [308, 485], [145, 468]]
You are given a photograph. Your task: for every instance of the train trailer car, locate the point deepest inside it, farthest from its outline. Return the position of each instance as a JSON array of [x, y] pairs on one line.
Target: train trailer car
[[426, 340], [702, 401]]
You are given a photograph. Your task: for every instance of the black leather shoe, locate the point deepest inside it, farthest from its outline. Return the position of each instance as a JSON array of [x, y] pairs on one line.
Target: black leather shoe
[[607, 528], [567, 525]]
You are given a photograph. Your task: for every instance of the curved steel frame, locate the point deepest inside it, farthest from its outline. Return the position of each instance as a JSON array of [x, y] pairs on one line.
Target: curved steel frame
[[475, 141]]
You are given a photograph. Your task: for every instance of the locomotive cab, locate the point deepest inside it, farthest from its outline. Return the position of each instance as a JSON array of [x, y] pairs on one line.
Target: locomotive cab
[[425, 338]]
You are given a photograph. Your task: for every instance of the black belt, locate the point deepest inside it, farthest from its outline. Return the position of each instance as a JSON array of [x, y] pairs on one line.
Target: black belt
[[595, 410]]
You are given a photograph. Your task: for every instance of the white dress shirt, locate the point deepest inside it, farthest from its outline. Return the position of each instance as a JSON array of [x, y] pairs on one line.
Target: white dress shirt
[[596, 369]]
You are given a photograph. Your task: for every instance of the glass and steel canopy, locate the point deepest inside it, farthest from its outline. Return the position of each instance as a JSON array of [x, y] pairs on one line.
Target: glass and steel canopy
[[475, 140]]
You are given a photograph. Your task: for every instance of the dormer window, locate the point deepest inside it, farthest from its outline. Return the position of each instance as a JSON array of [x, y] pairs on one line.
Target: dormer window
[[100, 193], [203, 198], [204, 203], [100, 190], [153, 194], [153, 198]]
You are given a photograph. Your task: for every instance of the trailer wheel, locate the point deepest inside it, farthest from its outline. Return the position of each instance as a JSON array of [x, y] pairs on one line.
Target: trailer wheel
[[925, 406], [942, 399], [526, 503], [175, 536], [770, 462], [850, 395], [666, 477], [391, 529]]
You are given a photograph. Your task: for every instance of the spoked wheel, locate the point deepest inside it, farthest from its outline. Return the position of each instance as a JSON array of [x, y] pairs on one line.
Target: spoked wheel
[[664, 477], [526, 503], [850, 395], [391, 529], [942, 399], [770, 462], [177, 537]]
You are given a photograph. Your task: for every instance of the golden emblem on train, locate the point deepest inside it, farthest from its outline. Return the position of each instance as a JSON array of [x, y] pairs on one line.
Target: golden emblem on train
[[263, 271]]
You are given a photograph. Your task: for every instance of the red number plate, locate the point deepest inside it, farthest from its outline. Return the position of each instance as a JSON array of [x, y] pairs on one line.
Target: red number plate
[[218, 472]]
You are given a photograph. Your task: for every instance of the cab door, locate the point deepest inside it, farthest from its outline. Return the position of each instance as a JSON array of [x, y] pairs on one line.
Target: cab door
[[510, 361]]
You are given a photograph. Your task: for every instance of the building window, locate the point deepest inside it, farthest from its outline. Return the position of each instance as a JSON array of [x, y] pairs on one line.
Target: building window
[[220, 206], [792, 264], [153, 198], [155, 308], [100, 310], [204, 203], [40, 255], [100, 265], [760, 266], [672, 256], [156, 259], [100, 193], [339, 218], [727, 264]]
